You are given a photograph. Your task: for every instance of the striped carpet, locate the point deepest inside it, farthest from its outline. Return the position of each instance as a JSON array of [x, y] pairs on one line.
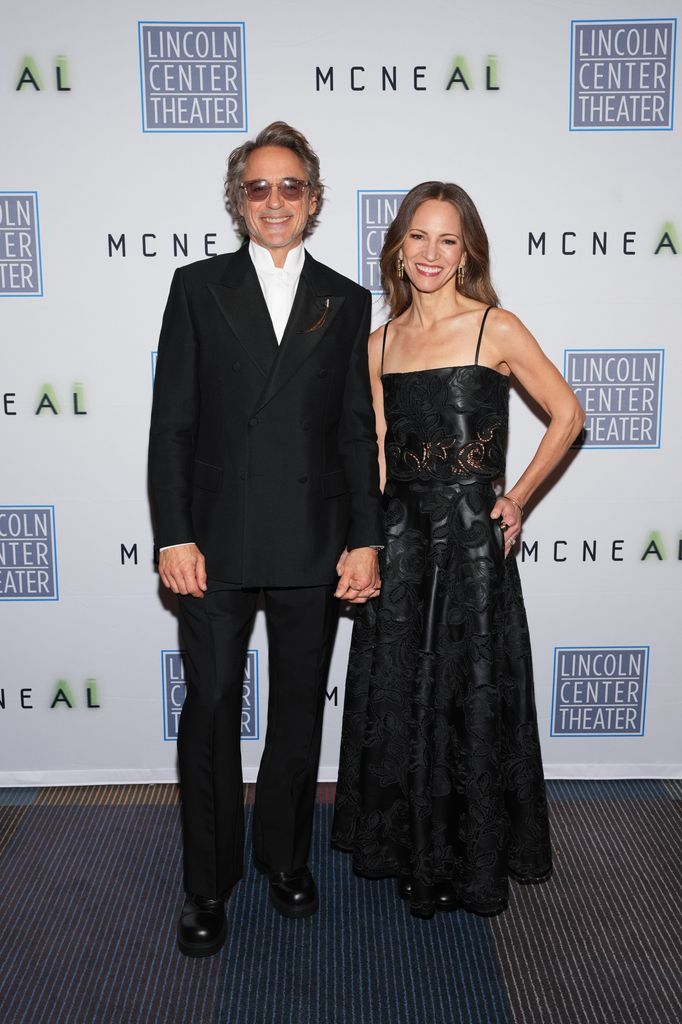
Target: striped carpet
[[91, 888]]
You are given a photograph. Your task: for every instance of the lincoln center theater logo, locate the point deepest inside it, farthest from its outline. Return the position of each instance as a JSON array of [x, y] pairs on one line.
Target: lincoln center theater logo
[[173, 677], [28, 554], [376, 211], [193, 76], [599, 691], [621, 392], [623, 75], [20, 269]]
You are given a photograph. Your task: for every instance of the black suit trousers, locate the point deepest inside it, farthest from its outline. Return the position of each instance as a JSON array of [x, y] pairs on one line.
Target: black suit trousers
[[215, 630]]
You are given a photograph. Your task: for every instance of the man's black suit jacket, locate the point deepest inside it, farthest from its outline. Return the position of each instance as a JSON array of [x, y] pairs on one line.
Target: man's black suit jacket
[[264, 455]]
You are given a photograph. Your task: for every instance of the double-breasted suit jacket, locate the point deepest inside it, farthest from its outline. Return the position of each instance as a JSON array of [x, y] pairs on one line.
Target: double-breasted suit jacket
[[264, 455]]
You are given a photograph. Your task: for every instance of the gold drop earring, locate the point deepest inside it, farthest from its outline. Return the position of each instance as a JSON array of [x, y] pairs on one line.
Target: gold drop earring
[[460, 275], [401, 268]]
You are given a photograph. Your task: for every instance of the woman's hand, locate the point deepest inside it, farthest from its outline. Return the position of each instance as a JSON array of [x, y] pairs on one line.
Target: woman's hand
[[358, 572], [508, 515]]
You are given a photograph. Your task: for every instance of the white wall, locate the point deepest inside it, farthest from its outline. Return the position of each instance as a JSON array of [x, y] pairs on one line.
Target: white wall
[[82, 150]]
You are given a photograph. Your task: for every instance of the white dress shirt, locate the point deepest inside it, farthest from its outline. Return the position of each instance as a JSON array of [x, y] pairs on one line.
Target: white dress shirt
[[279, 286]]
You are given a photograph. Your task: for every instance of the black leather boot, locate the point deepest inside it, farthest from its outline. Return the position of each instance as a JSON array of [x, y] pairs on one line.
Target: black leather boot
[[202, 928], [293, 893]]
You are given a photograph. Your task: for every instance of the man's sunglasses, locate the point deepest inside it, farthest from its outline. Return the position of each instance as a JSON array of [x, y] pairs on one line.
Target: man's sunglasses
[[288, 188]]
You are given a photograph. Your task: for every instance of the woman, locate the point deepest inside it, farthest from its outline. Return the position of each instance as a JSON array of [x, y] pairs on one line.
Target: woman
[[441, 780]]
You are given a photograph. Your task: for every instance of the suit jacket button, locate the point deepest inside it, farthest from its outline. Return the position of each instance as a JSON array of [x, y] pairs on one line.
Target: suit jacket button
[[242, 475], [321, 373], [236, 366], [253, 421], [303, 479], [306, 424]]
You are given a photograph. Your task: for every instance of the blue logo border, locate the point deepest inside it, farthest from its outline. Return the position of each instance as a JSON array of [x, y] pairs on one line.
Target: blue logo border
[[622, 21], [599, 735], [193, 131], [173, 739], [54, 551], [368, 192], [167, 650], [248, 739], [623, 447], [28, 295]]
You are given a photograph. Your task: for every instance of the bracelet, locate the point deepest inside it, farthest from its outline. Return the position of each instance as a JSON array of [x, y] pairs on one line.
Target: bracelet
[[514, 502]]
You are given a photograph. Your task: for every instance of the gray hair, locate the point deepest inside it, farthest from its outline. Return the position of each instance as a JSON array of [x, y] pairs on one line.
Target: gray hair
[[276, 134]]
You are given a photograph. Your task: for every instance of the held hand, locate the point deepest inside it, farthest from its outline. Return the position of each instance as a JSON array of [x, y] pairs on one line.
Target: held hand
[[359, 572], [183, 570], [341, 562], [509, 517]]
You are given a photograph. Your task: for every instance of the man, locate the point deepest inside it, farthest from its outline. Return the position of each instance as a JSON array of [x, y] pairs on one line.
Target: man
[[263, 477]]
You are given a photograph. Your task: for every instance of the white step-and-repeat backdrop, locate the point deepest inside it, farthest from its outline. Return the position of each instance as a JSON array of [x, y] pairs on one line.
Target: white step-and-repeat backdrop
[[560, 121]]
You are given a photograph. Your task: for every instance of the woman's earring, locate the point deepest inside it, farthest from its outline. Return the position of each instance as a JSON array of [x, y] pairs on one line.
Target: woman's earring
[[401, 268], [460, 275]]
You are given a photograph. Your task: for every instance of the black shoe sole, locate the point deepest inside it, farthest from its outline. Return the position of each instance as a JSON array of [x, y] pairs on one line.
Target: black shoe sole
[[443, 907], [203, 948], [306, 910]]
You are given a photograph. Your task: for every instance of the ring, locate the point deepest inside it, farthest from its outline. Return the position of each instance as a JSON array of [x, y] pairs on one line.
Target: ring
[[512, 541], [503, 526]]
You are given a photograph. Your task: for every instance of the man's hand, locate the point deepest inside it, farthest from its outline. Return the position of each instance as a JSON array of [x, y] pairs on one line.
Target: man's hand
[[183, 570], [359, 575]]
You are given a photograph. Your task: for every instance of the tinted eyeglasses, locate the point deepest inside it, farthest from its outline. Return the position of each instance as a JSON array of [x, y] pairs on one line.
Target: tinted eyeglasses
[[289, 189]]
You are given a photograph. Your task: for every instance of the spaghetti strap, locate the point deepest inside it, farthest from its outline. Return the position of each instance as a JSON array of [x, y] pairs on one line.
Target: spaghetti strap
[[480, 334], [383, 346]]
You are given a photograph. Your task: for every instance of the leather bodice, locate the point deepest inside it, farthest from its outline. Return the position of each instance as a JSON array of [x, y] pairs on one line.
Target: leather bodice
[[447, 424]]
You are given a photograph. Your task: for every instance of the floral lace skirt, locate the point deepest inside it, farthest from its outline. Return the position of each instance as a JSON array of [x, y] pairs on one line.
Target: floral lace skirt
[[440, 775]]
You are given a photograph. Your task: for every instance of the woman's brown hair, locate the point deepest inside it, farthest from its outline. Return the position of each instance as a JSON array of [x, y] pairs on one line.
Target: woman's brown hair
[[476, 284]]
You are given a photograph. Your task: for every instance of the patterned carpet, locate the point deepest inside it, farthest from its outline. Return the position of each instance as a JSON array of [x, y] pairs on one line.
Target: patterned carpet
[[91, 889]]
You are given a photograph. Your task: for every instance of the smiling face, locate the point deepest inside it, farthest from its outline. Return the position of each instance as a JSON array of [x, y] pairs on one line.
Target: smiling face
[[433, 249], [276, 223]]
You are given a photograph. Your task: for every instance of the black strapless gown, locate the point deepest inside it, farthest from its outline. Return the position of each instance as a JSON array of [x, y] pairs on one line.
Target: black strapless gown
[[440, 775]]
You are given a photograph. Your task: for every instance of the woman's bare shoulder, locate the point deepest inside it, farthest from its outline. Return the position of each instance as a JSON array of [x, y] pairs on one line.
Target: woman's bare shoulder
[[503, 328], [378, 334], [375, 345], [503, 321], [376, 338]]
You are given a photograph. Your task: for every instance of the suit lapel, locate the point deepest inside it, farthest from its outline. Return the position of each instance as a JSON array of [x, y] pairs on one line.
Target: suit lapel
[[312, 314], [240, 298]]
